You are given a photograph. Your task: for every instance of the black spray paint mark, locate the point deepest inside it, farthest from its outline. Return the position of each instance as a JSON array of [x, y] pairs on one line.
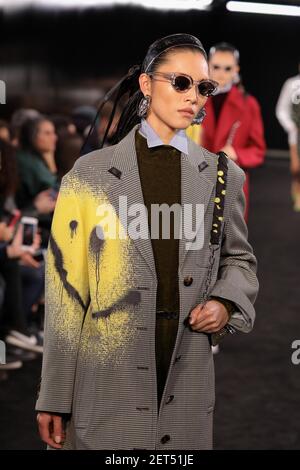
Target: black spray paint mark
[[73, 227], [96, 244], [133, 297], [63, 273]]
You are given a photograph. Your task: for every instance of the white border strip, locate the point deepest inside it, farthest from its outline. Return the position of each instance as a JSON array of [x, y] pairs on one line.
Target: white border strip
[[263, 8], [64, 4]]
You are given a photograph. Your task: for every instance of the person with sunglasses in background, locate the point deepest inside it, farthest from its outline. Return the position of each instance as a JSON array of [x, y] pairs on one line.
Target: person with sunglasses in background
[[233, 120], [131, 305]]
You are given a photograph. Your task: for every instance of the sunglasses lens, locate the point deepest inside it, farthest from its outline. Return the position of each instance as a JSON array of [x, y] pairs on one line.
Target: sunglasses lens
[[206, 88], [182, 83]]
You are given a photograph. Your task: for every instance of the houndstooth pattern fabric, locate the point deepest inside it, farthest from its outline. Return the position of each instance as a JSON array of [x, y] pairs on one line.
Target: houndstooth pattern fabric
[[99, 355]]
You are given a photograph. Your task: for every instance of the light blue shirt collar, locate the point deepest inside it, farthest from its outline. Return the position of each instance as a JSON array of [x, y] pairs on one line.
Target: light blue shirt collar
[[179, 141]]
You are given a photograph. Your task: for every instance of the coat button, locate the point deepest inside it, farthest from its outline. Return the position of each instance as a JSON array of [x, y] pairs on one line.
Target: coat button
[[165, 439], [188, 280], [169, 399]]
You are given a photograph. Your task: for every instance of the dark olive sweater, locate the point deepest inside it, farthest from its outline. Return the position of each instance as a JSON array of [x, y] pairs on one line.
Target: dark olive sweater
[[160, 175]]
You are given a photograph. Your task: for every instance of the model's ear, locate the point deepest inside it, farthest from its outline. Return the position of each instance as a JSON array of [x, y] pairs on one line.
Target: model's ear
[[145, 84]]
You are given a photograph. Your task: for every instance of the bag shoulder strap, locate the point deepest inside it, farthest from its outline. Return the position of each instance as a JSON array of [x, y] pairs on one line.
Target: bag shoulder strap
[[219, 201]]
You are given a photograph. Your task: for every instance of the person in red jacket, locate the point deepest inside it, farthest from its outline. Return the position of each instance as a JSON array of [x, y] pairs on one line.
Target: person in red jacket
[[233, 121]]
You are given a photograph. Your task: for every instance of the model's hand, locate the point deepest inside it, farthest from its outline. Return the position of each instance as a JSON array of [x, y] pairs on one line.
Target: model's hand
[[209, 317], [229, 150], [51, 429], [14, 250], [44, 203], [28, 260]]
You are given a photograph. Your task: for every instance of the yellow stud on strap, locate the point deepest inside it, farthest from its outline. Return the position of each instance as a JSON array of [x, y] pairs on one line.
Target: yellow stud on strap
[[221, 180], [216, 231], [223, 192], [215, 225], [217, 199], [220, 173], [219, 207], [220, 218]]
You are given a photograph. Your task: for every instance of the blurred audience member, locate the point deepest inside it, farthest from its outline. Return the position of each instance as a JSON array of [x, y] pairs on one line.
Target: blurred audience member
[[23, 274], [67, 152], [288, 114], [18, 119], [104, 121], [37, 167], [8, 177], [68, 146], [63, 125], [4, 131], [83, 118], [13, 324]]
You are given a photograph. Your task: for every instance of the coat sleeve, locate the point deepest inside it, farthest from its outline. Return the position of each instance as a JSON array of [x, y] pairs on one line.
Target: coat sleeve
[[253, 154], [237, 279], [66, 301]]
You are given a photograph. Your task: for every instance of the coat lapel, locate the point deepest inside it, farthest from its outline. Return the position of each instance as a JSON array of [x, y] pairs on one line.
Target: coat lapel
[[196, 189], [125, 183]]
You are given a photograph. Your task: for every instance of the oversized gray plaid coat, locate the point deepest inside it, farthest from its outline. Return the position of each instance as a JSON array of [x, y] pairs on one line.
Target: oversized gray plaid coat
[[99, 359]]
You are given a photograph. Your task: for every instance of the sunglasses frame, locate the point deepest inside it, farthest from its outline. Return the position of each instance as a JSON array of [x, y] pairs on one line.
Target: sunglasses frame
[[171, 77]]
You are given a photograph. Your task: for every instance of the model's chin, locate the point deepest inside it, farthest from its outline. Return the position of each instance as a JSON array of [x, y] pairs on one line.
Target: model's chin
[[184, 122]]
